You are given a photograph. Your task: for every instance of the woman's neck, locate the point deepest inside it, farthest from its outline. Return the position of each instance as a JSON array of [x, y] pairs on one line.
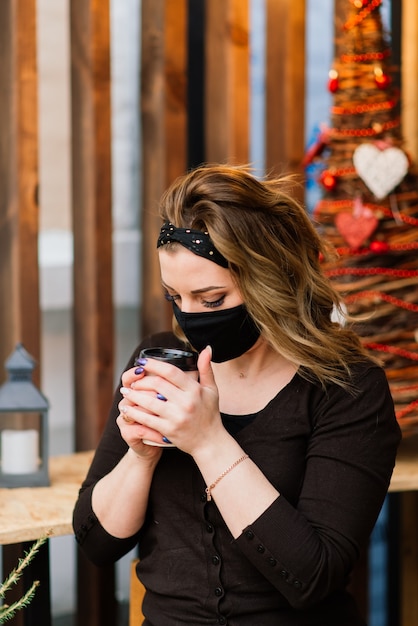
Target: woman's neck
[[248, 383], [254, 362]]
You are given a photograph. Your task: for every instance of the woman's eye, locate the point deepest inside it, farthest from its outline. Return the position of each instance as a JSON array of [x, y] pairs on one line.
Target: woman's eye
[[210, 304], [171, 298], [214, 303]]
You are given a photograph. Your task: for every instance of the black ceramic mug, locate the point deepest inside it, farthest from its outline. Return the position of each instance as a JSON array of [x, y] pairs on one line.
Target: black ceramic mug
[[184, 360]]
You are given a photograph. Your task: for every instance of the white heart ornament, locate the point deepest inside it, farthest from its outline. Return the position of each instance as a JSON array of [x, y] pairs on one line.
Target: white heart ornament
[[380, 170]]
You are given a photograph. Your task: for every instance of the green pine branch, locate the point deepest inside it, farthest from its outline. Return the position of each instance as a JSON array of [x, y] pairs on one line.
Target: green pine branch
[[8, 611]]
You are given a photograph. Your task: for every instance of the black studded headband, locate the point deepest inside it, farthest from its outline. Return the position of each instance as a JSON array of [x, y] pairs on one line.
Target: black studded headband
[[196, 241]]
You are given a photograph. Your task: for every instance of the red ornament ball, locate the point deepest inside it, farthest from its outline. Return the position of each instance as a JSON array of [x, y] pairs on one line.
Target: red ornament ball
[[333, 84], [382, 80], [328, 180], [379, 247]]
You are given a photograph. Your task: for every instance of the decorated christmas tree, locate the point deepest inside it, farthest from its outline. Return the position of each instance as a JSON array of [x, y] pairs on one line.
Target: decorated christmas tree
[[369, 205]]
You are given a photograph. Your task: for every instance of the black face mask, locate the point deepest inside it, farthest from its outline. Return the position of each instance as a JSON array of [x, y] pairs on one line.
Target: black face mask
[[229, 332]]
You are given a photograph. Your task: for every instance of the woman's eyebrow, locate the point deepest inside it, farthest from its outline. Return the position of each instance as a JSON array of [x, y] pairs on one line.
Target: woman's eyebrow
[[210, 288], [196, 291]]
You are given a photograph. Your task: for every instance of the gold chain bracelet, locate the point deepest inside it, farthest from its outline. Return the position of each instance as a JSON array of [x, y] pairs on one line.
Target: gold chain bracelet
[[208, 490]]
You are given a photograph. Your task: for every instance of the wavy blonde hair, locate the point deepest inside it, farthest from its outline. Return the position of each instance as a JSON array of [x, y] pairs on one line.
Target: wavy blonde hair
[[274, 255]]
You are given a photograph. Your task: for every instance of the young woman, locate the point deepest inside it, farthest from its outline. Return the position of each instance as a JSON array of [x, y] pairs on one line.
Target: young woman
[[284, 446]]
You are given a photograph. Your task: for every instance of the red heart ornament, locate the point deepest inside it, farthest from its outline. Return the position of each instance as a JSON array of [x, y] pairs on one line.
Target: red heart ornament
[[356, 229]]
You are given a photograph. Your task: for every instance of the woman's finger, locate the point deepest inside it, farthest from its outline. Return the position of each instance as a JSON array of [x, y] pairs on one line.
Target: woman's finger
[[131, 375]]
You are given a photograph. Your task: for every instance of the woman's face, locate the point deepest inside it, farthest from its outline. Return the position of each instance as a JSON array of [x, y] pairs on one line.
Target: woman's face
[[196, 284]]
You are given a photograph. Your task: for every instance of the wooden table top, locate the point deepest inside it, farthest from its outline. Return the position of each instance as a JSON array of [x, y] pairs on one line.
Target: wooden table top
[[27, 513]]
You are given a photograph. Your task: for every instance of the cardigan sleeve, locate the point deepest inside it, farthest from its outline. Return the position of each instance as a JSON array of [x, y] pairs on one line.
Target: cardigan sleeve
[[99, 546], [308, 550]]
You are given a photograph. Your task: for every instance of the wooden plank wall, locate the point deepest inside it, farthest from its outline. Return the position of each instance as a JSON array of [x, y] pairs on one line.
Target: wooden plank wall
[[19, 209], [226, 74], [93, 325], [19, 176], [409, 74], [409, 501], [285, 86], [92, 216], [405, 17]]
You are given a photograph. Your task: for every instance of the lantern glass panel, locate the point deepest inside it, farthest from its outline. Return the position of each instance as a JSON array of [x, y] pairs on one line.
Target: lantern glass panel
[[20, 442]]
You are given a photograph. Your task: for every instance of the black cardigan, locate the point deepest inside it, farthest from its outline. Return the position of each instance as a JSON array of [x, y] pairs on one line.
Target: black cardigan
[[330, 453]]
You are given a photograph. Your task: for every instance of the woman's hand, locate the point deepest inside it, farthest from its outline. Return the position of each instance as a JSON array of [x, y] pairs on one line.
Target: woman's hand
[[120, 498], [169, 401], [131, 430]]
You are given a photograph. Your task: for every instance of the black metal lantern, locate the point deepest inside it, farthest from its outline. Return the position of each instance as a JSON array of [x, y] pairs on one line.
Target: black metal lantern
[[23, 426]]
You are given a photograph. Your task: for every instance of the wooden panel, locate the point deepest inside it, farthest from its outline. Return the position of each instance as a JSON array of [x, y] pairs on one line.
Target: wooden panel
[[92, 220], [19, 211], [409, 501], [404, 537], [92, 226], [409, 559], [409, 70], [154, 315], [175, 79], [164, 122], [408, 457], [285, 85], [227, 81]]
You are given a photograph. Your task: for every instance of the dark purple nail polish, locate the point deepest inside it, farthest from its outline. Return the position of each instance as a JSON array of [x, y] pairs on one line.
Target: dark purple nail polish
[[140, 361], [139, 370], [161, 397], [166, 440]]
